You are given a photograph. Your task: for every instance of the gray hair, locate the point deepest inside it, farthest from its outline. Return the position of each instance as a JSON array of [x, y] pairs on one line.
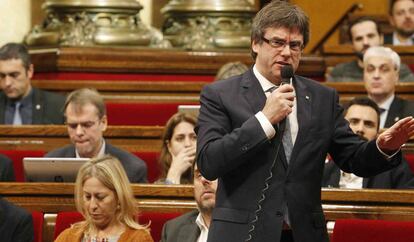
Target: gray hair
[[385, 52]]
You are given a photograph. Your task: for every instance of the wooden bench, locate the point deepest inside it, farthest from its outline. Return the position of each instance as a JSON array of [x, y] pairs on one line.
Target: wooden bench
[[51, 198]]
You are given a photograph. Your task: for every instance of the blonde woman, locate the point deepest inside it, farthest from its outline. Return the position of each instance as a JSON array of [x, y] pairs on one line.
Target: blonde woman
[[104, 197]]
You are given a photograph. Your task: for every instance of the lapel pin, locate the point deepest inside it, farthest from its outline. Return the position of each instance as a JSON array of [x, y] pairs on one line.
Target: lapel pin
[[396, 119], [38, 106], [307, 97]]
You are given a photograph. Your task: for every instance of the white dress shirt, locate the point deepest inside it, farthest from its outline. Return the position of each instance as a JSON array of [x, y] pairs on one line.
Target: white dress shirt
[[203, 228], [386, 106]]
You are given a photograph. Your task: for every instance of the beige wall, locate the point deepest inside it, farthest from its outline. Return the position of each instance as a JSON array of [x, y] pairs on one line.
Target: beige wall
[[14, 20]]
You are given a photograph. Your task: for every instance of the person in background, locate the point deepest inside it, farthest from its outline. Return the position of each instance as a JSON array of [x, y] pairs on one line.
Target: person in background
[[381, 66], [401, 17], [6, 169], [193, 226], [16, 224], [20, 103], [230, 69], [86, 122], [363, 32], [267, 141], [178, 149], [104, 197], [363, 116]]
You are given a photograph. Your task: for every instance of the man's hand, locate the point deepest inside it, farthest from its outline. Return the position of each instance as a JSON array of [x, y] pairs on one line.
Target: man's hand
[[394, 137], [279, 104]]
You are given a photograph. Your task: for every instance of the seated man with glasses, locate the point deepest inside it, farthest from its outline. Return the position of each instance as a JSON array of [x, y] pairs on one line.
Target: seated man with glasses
[[86, 120]]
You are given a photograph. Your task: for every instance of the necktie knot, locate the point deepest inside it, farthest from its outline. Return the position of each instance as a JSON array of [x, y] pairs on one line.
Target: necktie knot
[[382, 110]]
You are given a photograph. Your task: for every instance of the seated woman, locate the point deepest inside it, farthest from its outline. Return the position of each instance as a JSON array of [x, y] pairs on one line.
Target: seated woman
[[104, 197], [178, 149]]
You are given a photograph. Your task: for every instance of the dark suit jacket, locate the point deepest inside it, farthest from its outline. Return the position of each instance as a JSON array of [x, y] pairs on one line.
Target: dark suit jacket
[[401, 177], [16, 224], [399, 109], [47, 107], [181, 229], [6, 169], [233, 147], [136, 169], [388, 40]]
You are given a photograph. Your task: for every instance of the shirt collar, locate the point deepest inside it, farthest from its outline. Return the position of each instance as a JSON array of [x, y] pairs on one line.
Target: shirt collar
[[25, 101], [200, 222], [386, 105], [396, 41], [264, 83]]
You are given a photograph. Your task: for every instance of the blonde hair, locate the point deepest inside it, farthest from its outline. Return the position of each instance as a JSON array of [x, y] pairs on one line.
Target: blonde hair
[[109, 171]]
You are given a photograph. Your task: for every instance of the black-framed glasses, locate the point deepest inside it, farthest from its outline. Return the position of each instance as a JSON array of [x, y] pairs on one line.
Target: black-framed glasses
[[295, 46]]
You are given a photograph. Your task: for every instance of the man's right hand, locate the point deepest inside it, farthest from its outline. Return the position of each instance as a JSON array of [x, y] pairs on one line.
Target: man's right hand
[[279, 104]]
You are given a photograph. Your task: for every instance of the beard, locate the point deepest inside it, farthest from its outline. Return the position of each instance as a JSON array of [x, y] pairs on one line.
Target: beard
[[405, 33]]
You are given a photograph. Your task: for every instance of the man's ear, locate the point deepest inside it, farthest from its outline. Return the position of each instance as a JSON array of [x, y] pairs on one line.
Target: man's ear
[[30, 71], [104, 123]]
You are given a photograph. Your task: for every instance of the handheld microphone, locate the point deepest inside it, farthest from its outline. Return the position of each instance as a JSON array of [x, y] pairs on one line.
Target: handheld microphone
[[286, 73]]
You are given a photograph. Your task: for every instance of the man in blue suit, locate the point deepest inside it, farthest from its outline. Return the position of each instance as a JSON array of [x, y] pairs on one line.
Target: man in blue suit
[[268, 149]]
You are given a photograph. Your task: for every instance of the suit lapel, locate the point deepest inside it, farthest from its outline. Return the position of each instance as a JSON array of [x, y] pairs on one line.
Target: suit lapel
[[2, 107], [252, 91], [37, 107], [393, 112], [304, 111]]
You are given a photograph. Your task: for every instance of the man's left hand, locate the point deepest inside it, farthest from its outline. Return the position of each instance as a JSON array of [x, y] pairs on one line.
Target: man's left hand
[[394, 137]]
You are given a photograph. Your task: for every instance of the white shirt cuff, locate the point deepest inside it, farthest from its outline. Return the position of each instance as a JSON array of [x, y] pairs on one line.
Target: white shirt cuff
[[266, 125], [388, 157]]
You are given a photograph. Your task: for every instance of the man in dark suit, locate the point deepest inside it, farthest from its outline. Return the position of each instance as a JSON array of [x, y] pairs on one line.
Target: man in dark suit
[[6, 169], [401, 17], [16, 224], [193, 226], [381, 66], [20, 103], [267, 191], [86, 120], [363, 116]]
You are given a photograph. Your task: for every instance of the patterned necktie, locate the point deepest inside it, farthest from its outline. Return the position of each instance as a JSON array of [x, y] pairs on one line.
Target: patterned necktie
[[17, 118]]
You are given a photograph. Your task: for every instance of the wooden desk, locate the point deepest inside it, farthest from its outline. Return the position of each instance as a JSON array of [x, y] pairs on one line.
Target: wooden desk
[[51, 198], [48, 137]]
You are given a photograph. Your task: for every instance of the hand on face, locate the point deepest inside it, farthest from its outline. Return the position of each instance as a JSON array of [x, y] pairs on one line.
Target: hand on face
[[397, 135], [181, 163], [279, 104]]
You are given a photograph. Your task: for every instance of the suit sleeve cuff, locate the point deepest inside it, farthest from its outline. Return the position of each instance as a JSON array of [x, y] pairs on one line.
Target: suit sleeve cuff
[[387, 156], [266, 125]]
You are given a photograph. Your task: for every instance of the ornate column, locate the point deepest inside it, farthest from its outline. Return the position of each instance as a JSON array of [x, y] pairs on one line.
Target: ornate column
[[208, 24]]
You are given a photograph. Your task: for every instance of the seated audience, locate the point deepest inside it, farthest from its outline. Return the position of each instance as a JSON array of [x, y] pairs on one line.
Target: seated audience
[[401, 17], [364, 32], [104, 197], [16, 224], [178, 149], [381, 66], [193, 226], [86, 121], [363, 116], [230, 69], [6, 169], [20, 103]]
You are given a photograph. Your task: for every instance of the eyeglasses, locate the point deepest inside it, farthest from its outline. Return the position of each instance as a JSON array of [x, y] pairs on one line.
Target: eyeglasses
[[279, 44], [84, 125]]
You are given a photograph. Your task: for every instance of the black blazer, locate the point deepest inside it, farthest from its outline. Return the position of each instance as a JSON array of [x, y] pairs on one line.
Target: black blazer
[[400, 177], [400, 108], [47, 107], [6, 169], [136, 168], [181, 229], [16, 224], [232, 147]]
